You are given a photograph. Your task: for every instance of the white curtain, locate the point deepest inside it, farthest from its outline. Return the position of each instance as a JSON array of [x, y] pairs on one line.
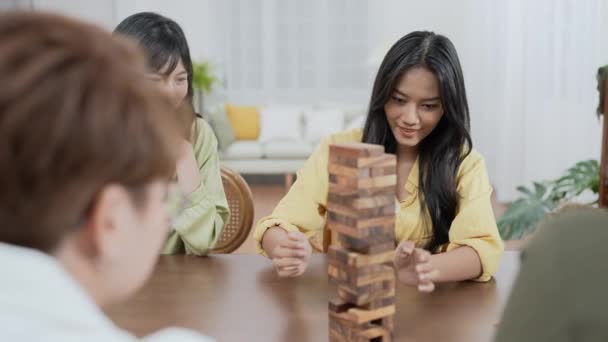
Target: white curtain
[[530, 70], [15, 4], [298, 52], [529, 65]]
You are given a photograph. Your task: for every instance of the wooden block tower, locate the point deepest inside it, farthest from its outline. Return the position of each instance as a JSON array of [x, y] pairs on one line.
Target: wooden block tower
[[361, 212]]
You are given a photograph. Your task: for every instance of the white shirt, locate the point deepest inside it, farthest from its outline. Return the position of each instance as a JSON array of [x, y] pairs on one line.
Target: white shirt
[[40, 301]]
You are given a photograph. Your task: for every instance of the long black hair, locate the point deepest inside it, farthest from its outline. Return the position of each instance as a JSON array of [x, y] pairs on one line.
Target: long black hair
[[443, 150], [163, 42]]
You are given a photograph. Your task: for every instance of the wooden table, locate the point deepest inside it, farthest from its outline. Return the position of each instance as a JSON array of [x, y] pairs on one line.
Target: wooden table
[[239, 298]]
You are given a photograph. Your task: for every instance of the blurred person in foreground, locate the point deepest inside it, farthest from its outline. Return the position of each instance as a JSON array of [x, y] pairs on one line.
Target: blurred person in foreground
[[86, 155]]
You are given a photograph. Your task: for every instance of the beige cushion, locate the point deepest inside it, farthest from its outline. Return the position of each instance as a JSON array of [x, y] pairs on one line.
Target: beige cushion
[[287, 150], [244, 149]]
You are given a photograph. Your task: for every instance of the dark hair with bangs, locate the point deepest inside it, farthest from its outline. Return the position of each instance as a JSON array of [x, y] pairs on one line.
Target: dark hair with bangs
[[443, 150], [163, 41]]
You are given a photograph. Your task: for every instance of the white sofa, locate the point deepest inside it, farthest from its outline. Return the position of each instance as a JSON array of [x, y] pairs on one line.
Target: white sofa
[[288, 135]]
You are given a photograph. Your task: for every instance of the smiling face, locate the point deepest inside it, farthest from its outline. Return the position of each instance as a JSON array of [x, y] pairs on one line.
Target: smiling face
[[174, 84], [414, 107]]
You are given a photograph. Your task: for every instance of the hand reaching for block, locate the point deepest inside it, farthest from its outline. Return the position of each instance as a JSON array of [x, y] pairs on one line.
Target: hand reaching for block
[[291, 256], [415, 267]]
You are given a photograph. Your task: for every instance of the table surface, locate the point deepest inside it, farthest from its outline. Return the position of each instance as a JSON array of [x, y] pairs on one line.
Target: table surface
[[239, 298]]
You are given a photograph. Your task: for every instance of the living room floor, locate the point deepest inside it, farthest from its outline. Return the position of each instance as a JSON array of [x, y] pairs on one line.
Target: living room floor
[[266, 196]]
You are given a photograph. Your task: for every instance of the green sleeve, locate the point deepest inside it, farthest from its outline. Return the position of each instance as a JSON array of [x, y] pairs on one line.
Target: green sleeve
[[559, 294], [199, 226]]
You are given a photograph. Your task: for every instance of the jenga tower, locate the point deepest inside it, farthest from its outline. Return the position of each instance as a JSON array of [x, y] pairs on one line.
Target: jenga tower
[[361, 212]]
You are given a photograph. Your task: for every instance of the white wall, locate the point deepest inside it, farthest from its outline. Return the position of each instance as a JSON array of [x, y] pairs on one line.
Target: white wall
[[15, 4], [530, 119], [99, 12], [198, 19]]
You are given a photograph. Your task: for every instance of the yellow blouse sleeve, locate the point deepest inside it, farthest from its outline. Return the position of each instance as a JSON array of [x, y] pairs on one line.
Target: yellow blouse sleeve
[[303, 208], [475, 224]]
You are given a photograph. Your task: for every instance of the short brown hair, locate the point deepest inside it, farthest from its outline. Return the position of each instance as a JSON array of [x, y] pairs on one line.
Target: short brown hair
[[75, 115]]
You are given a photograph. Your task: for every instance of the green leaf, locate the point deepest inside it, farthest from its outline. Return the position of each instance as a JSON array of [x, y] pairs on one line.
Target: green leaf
[[540, 189], [524, 190], [202, 77], [524, 214]]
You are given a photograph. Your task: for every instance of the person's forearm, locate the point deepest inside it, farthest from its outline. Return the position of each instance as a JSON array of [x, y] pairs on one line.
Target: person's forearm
[[188, 175], [272, 238], [462, 263]]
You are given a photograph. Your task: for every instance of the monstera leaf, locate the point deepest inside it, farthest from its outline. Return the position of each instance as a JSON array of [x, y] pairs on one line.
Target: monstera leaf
[[525, 213]]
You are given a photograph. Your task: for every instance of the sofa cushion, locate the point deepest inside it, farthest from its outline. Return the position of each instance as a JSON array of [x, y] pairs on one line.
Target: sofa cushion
[[322, 123], [245, 121], [220, 125], [243, 150], [280, 123], [287, 150]]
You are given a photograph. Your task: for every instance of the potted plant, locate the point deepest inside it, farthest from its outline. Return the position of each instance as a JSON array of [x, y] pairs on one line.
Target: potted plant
[[536, 202], [202, 83]]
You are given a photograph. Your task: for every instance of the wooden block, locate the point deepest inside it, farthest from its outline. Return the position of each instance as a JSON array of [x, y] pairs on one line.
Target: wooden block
[[345, 183], [384, 222], [357, 202], [377, 182], [345, 229], [382, 171], [344, 190], [356, 150], [388, 322], [366, 294], [383, 210], [384, 160], [360, 316], [379, 161], [359, 233], [350, 275], [361, 228], [371, 245], [357, 277], [357, 259], [379, 303], [376, 334], [348, 154], [354, 226], [351, 172], [337, 305], [342, 330]]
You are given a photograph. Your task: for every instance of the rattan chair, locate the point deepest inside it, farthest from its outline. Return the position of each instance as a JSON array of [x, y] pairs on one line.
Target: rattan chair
[[240, 201]]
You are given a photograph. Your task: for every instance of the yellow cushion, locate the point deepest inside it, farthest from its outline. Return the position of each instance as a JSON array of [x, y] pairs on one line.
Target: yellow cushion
[[245, 121]]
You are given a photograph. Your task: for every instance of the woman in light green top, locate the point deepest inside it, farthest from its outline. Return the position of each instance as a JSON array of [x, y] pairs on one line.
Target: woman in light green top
[[199, 226]]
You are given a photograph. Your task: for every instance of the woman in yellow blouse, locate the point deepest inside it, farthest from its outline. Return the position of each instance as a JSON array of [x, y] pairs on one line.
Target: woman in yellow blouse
[[198, 227], [445, 228]]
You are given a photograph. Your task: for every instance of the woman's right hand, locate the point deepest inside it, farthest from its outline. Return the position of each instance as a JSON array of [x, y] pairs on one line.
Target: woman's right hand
[[290, 251], [415, 267]]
